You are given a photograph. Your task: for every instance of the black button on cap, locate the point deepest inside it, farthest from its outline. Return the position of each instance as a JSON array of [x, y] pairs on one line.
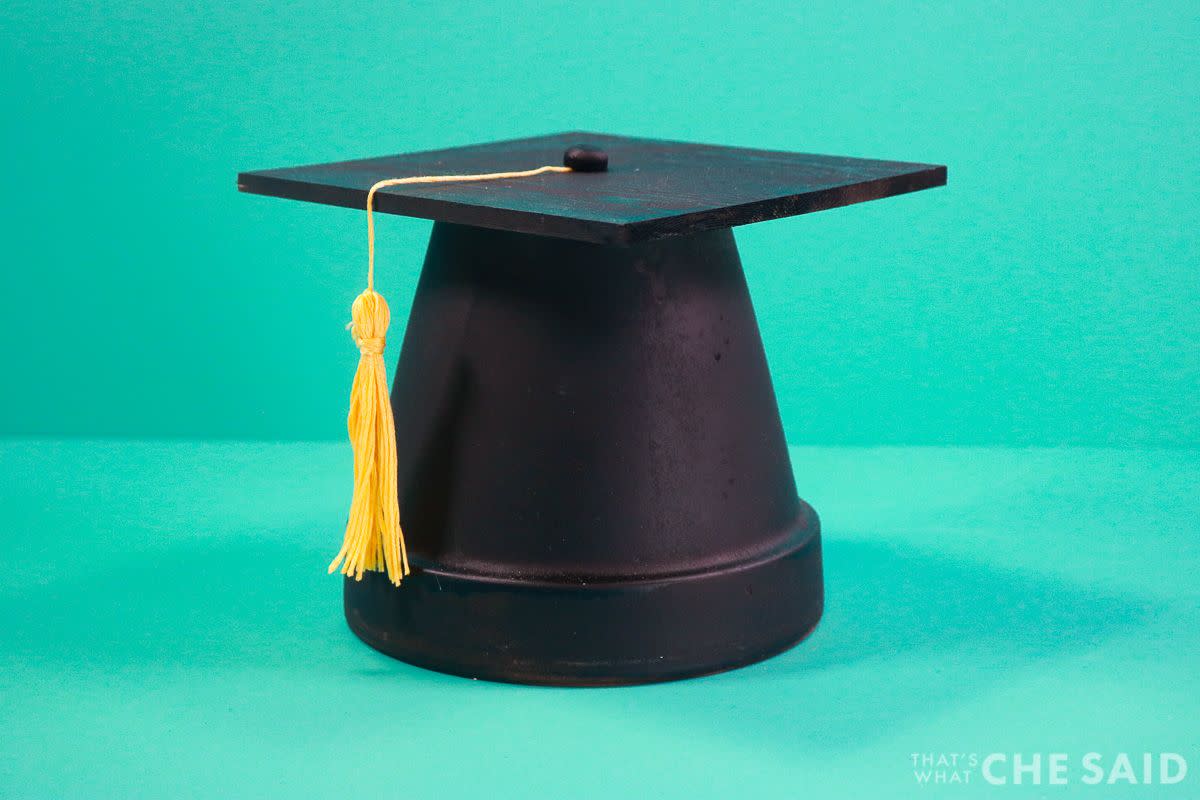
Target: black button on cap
[[584, 158]]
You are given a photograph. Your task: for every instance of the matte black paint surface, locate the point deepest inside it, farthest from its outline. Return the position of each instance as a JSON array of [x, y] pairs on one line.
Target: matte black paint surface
[[594, 483], [651, 189]]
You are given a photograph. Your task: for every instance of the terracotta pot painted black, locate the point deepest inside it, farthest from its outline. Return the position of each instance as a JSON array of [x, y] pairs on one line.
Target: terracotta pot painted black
[[594, 483]]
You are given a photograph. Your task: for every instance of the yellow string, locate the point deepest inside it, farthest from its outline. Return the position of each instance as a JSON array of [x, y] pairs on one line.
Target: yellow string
[[374, 539], [486, 176]]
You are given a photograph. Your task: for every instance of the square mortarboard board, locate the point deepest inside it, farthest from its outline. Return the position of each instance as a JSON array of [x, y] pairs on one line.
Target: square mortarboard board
[[592, 475], [651, 188]]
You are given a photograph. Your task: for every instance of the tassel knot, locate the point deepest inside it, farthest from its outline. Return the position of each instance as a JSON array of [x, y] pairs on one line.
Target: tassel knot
[[372, 346]]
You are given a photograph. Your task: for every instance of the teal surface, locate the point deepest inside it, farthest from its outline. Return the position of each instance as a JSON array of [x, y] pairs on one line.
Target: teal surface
[[1047, 296], [166, 630]]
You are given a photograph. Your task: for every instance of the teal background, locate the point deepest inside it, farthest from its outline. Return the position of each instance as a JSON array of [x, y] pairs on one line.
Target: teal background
[[995, 385], [1047, 296]]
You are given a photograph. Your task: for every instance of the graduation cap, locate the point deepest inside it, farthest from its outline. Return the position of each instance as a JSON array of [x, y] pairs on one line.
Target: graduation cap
[[580, 476]]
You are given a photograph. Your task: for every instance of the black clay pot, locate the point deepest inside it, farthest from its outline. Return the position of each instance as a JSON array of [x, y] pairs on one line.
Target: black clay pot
[[594, 483]]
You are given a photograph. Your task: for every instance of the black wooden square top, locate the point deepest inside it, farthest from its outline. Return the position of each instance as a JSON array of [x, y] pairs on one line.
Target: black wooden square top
[[652, 188]]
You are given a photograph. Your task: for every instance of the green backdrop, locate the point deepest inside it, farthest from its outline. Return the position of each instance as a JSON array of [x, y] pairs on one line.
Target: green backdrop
[[166, 629], [1048, 295]]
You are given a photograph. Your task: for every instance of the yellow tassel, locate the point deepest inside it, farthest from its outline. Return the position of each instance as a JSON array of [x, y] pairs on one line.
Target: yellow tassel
[[374, 540]]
